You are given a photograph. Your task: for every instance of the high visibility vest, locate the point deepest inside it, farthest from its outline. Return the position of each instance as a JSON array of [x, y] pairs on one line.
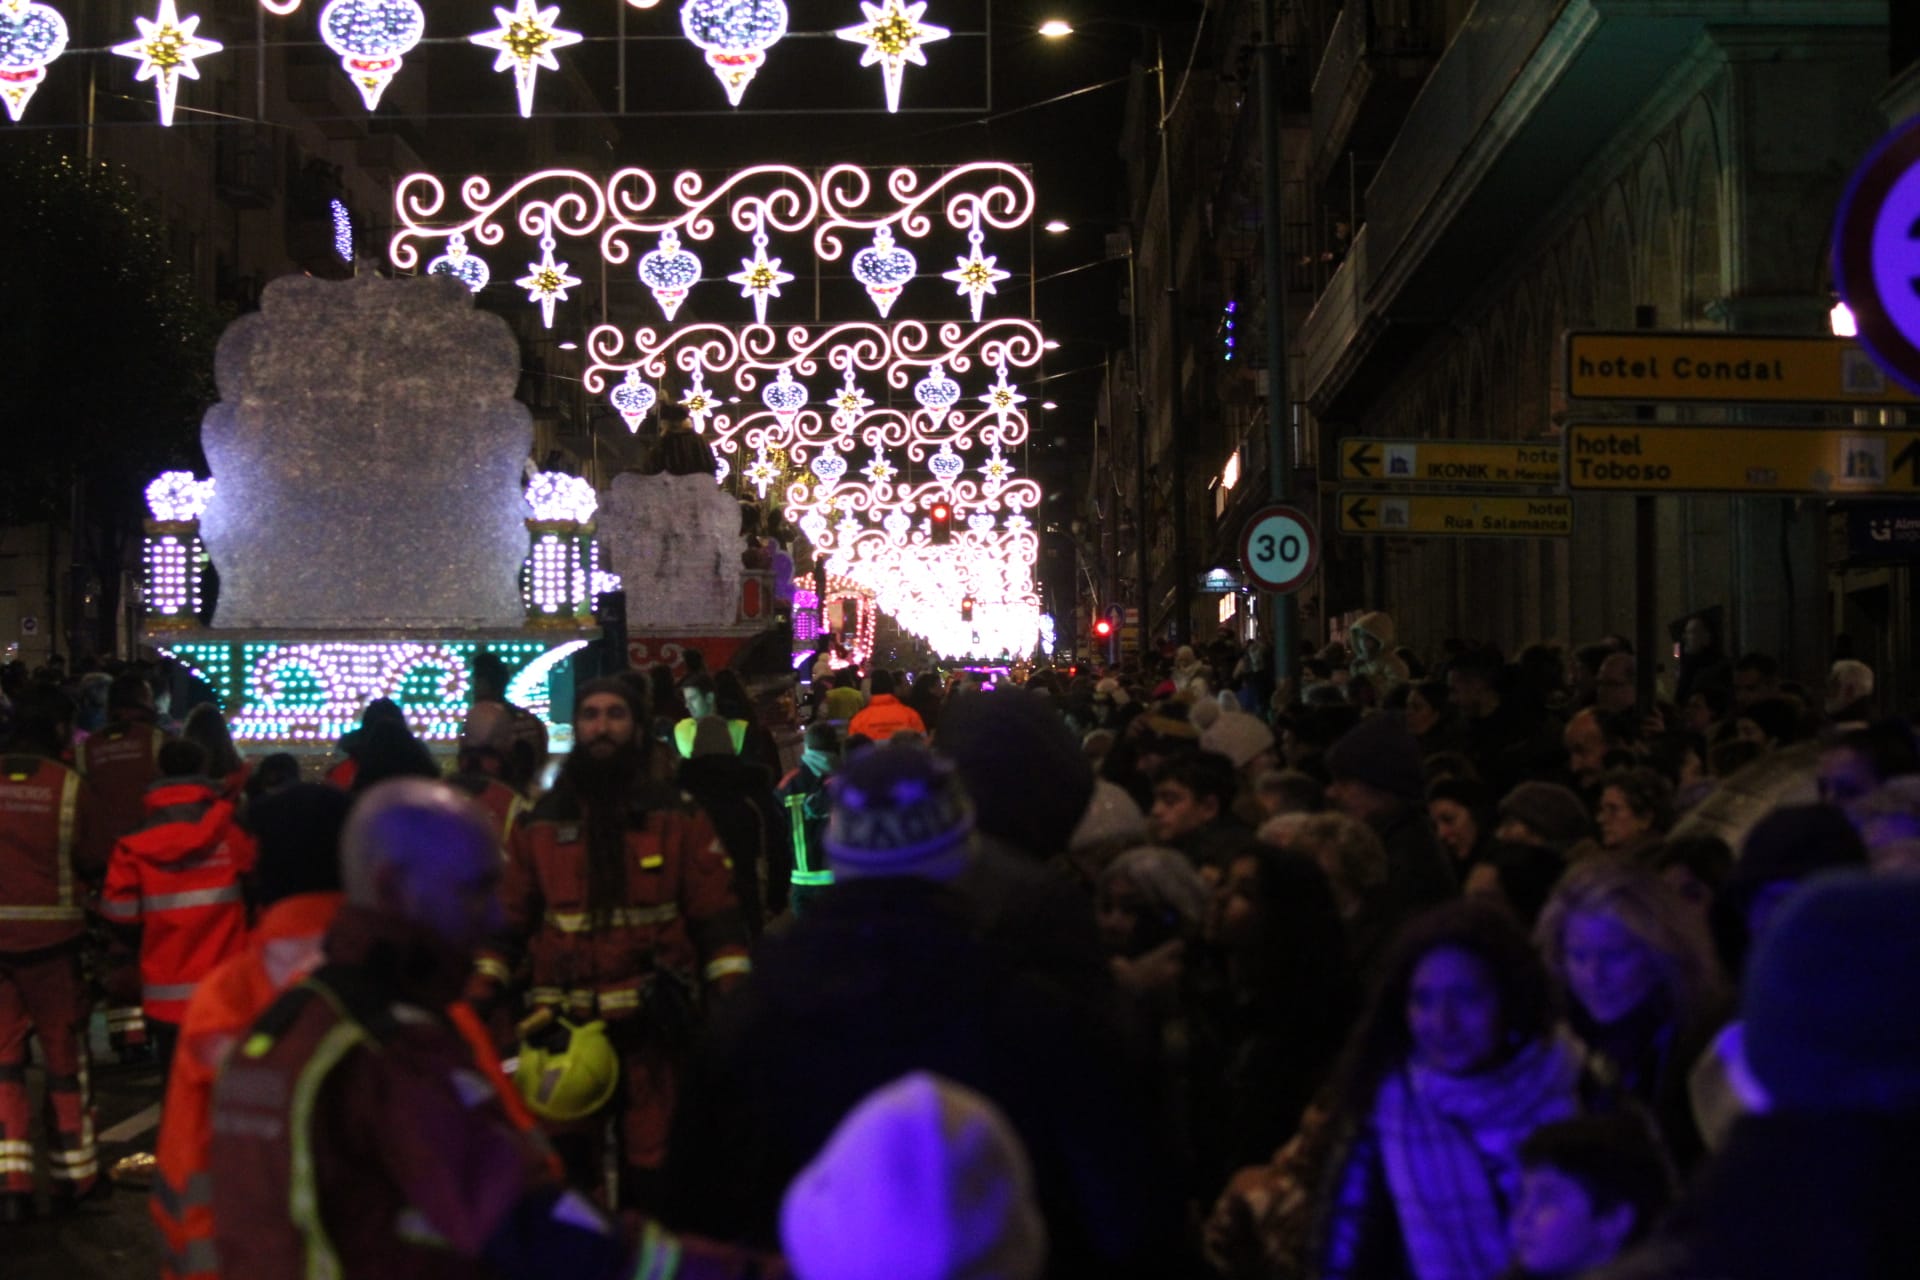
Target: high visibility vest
[[43, 844]]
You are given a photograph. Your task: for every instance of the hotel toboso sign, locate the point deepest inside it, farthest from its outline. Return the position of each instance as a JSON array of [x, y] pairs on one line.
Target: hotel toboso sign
[[1725, 367]]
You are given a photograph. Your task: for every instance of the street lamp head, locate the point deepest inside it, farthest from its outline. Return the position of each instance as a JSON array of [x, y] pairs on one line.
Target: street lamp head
[[1056, 28], [569, 346], [1049, 405], [1049, 345], [1057, 227]]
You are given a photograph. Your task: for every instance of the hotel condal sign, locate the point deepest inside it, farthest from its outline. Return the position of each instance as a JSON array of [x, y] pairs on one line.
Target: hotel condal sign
[[1656, 367]]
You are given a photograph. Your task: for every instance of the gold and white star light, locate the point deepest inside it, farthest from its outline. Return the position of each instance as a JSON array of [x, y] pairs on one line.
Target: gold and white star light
[[525, 41], [894, 35], [977, 274], [547, 281], [166, 49], [760, 277]]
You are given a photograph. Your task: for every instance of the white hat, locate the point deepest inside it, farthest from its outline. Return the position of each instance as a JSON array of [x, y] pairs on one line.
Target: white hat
[[924, 1180], [1237, 736], [1112, 817]]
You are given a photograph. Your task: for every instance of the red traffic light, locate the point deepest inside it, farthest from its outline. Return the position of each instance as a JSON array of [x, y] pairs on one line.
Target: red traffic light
[[942, 521], [941, 511], [1103, 628]]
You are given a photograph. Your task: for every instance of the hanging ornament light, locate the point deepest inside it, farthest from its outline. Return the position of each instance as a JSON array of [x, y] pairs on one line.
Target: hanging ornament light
[[936, 392], [760, 277], [31, 36], [761, 472], [547, 281], [633, 399], [670, 272], [469, 269], [1002, 397], [884, 268], [977, 274], [166, 49], [524, 42], [784, 396], [699, 400], [371, 37], [894, 36], [735, 35]]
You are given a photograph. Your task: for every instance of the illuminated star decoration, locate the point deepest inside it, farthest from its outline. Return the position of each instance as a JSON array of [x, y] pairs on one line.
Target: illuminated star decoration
[[997, 471], [166, 49], [547, 281], [735, 34], [370, 36], [31, 36], [469, 269], [525, 41], [761, 472], [851, 404], [699, 400], [977, 275], [1002, 397], [879, 471], [893, 34], [760, 277]]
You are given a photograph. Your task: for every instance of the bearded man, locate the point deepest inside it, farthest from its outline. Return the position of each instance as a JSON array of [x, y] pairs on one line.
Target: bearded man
[[619, 895]]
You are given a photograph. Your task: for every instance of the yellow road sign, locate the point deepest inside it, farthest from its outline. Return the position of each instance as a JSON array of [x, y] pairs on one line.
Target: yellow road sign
[[1730, 367], [1453, 515], [1483, 462], [1652, 458]]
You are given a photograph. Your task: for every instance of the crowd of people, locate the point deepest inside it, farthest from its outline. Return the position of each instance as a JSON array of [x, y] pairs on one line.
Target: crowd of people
[[1445, 966]]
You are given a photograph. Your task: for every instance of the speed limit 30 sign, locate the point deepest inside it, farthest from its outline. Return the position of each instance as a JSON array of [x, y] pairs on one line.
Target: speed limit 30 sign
[[1280, 549]]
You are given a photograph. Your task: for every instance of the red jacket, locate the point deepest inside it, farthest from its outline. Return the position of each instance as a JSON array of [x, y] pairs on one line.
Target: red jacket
[[885, 716], [121, 762], [179, 879], [48, 847]]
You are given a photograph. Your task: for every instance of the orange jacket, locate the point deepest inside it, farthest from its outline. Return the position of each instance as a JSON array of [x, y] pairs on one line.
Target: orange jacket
[[885, 716], [121, 761], [179, 878], [47, 847]]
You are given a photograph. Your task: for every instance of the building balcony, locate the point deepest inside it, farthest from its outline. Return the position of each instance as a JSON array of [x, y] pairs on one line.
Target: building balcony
[[1378, 56]]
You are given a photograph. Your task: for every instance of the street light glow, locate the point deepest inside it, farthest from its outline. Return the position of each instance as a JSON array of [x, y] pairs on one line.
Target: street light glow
[[1057, 227], [569, 346], [1056, 28], [1049, 345], [1842, 322], [1049, 406]]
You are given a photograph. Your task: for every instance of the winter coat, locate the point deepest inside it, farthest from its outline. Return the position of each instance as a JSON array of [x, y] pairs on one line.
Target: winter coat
[[737, 795]]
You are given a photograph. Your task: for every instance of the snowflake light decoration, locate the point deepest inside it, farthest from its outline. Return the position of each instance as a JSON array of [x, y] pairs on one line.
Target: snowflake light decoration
[[469, 269], [850, 403], [761, 473], [884, 268], [880, 471], [31, 36], [735, 35], [166, 49], [893, 35], [997, 471], [670, 272], [699, 400], [1002, 397], [760, 277], [977, 274], [371, 37], [633, 400], [525, 41], [547, 281], [176, 496], [555, 495]]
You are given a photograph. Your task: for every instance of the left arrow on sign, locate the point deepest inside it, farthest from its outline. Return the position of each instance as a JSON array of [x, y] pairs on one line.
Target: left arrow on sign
[[1909, 457], [1360, 514], [1363, 460]]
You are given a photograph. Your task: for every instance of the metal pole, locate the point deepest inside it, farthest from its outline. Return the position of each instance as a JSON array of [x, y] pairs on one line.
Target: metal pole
[[1645, 590], [1182, 551], [1279, 459], [1142, 588]]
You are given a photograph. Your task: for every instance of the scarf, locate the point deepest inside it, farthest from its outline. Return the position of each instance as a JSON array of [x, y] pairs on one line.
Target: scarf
[[1451, 1144]]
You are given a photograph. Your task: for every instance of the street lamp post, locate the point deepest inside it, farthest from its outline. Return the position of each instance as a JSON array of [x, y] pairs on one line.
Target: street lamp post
[[1279, 464]]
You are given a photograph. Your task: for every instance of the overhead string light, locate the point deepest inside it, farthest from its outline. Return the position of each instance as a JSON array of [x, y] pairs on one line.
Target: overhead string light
[[371, 37], [547, 281], [166, 48], [978, 274], [893, 35], [670, 272], [524, 43], [760, 277], [469, 269], [735, 35], [31, 36]]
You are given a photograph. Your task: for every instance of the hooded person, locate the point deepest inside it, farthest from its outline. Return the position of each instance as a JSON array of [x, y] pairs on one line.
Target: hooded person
[[1378, 777], [888, 971], [924, 1180], [1372, 638]]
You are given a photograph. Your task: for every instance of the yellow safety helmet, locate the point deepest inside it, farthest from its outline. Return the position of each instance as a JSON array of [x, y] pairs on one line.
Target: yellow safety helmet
[[574, 1079]]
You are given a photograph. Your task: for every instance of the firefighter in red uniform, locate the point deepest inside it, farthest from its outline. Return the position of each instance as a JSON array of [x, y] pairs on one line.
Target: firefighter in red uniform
[[354, 1134], [47, 852], [177, 880], [490, 767], [620, 892], [121, 761]]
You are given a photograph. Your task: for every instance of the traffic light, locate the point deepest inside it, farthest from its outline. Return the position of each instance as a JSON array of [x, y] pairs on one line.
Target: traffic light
[[966, 609], [1102, 628], [942, 521]]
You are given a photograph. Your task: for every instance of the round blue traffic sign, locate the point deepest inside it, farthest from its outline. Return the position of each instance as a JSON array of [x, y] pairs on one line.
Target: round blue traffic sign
[[1876, 253]]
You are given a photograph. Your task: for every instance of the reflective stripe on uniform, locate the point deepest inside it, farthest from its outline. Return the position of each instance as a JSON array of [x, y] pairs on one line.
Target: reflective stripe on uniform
[[177, 1204], [488, 967], [41, 913], [17, 1147], [120, 909], [727, 966], [659, 1257], [624, 918], [69, 814], [199, 1258], [618, 999], [304, 1204], [16, 1164], [168, 991], [191, 898]]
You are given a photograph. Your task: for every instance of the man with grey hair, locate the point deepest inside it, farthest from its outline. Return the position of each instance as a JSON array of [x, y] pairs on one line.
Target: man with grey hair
[[1849, 697], [361, 1131]]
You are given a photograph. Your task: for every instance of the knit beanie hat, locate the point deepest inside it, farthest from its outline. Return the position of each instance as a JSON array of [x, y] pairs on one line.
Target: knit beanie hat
[[898, 812], [1832, 998], [1029, 779], [1112, 818], [924, 1180], [1204, 713], [1794, 842], [297, 830], [1237, 736], [1382, 754], [1555, 813]]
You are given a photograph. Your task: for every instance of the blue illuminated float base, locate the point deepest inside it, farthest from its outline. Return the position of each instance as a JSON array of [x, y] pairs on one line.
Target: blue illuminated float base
[[295, 692]]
